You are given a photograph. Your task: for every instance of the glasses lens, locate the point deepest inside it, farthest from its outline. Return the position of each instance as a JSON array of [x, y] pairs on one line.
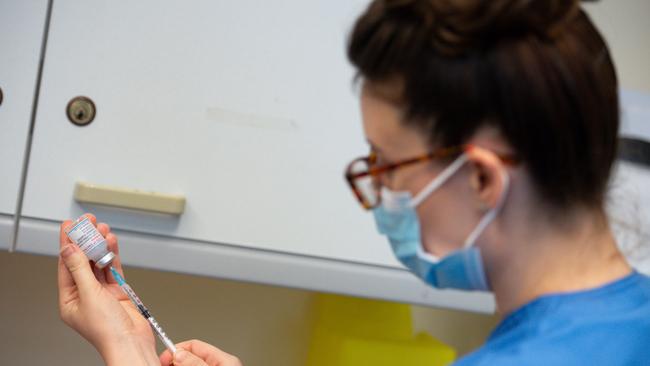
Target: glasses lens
[[367, 186]]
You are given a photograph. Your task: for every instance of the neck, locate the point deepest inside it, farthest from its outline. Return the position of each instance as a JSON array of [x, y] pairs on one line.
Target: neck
[[543, 259]]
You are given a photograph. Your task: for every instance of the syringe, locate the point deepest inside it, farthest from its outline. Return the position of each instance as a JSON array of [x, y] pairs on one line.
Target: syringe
[[143, 310]]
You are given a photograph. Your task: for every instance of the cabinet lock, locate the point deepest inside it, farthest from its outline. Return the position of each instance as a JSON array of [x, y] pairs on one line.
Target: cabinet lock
[[81, 111]]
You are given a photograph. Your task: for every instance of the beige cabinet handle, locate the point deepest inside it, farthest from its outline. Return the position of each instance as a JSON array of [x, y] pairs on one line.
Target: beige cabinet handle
[[129, 198]]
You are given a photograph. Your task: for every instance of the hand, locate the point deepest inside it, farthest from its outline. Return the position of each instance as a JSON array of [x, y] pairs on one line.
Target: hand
[[92, 303], [197, 353]]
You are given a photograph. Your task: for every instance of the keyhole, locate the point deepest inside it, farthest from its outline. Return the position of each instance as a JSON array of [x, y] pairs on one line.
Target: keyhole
[[81, 111], [80, 114]]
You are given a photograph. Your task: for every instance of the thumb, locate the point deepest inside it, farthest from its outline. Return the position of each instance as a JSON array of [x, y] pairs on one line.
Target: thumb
[[185, 358], [77, 264]]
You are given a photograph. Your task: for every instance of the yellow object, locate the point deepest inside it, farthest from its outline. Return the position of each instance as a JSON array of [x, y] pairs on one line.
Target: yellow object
[[356, 332], [129, 198]]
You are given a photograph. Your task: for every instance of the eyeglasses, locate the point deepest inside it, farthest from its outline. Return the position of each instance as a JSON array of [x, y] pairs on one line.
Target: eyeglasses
[[363, 174]]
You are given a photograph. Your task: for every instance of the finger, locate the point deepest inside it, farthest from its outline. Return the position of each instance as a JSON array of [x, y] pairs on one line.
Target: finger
[[209, 353], [91, 217], [111, 241], [166, 358], [104, 274], [65, 280], [63, 237], [99, 274], [185, 358], [77, 265], [103, 229]]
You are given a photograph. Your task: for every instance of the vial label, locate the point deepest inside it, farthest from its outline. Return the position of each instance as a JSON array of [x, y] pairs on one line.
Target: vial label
[[85, 235]]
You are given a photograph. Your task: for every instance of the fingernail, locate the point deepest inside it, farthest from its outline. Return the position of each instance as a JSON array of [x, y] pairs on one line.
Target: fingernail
[[67, 251], [180, 355]]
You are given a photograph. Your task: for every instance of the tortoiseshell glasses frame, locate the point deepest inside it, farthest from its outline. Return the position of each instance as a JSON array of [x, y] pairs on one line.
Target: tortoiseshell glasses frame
[[373, 172]]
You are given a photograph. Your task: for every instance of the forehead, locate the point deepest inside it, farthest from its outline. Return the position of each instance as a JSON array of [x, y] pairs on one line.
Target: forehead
[[384, 125]]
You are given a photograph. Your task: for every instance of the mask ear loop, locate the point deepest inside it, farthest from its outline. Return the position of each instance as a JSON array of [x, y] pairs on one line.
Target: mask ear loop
[[490, 215], [439, 180], [430, 188]]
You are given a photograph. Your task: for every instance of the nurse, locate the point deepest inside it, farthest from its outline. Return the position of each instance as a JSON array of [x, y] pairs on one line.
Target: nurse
[[492, 127]]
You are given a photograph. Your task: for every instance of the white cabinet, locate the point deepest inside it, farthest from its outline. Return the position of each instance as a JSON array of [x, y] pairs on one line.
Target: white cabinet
[[21, 32], [248, 110]]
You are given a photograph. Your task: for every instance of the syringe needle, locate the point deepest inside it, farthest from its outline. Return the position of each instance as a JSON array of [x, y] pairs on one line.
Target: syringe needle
[[143, 310]]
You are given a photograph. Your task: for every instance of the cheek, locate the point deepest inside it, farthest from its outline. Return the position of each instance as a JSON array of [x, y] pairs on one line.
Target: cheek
[[446, 219], [410, 179]]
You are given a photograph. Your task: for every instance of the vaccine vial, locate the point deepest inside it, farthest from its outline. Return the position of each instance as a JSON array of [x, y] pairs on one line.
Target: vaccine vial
[[83, 233]]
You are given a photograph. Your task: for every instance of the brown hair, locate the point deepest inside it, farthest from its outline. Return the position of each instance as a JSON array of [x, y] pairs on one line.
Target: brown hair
[[537, 70]]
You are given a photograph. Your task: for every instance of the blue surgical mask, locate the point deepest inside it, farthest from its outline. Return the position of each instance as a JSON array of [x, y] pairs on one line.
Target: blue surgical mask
[[397, 219]]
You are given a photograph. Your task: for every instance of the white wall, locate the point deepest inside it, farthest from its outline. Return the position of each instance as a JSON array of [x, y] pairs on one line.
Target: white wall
[[626, 27]]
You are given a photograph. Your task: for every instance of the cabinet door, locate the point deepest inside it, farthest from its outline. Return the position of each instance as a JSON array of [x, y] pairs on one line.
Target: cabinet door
[[247, 109], [21, 32]]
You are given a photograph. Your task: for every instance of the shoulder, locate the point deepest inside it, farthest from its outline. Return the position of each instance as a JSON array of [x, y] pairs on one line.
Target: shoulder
[[523, 353], [578, 337], [608, 326], [570, 346]]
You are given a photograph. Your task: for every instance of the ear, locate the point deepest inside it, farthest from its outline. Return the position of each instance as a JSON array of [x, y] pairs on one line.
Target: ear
[[487, 176]]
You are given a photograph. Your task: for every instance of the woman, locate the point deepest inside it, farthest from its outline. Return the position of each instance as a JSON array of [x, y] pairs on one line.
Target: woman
[[493, 128]]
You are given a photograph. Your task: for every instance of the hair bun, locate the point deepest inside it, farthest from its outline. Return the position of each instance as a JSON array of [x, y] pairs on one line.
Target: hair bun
[[459, 25]]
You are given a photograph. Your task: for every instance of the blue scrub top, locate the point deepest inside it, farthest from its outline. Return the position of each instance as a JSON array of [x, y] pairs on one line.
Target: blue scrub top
[[608, 325]]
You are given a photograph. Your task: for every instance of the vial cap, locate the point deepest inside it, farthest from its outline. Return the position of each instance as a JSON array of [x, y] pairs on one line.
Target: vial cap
[[105, 260]]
